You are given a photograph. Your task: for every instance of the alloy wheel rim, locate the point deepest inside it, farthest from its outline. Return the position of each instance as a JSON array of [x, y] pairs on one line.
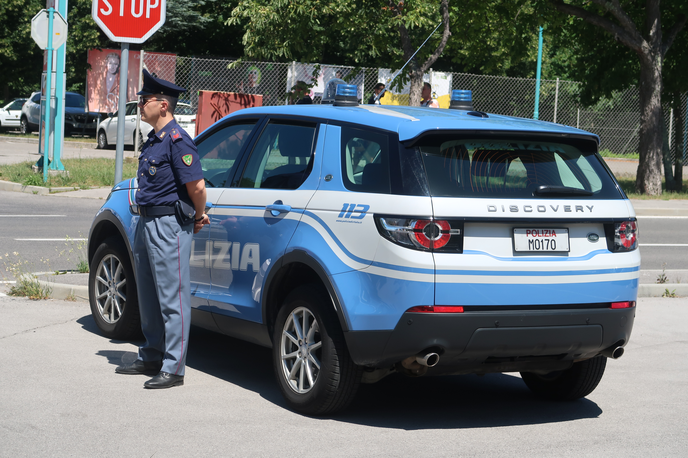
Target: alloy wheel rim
[[110, 285], [301, 350]]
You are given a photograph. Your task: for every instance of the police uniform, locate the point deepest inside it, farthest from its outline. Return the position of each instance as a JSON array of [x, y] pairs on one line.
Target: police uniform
[[162, 245]]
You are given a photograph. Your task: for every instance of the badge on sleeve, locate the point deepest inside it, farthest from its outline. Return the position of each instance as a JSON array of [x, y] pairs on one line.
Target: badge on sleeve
[[188, 159]]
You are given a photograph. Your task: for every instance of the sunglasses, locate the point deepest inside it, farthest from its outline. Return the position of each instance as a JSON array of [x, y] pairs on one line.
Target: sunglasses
[[143, 102]]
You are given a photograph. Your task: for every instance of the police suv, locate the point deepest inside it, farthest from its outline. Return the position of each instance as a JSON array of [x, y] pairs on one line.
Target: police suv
[[361, 240]]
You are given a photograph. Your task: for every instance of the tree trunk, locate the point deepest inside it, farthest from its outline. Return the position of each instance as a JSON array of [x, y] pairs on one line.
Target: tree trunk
[[649, 177], [417, 70], [416, 88]]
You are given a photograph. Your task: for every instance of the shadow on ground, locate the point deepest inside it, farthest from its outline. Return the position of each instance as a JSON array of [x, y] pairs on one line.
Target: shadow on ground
[[398, 402]]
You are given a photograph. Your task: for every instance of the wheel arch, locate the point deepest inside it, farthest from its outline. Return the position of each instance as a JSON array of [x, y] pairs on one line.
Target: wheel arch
[[107, 225], [294, 269]]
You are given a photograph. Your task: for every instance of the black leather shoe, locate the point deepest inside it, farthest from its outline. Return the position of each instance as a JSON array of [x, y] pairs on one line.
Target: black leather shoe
[[140, 367], [164, 380]]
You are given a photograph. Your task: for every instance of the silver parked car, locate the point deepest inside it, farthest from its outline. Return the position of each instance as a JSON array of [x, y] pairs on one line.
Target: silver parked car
[[107, 129]]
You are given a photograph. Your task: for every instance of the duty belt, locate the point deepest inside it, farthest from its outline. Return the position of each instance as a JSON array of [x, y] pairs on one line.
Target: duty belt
[[156, 210]]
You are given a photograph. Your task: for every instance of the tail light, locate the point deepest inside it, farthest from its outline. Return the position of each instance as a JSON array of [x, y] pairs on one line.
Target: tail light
[[422, 233], [623, 236], [623, 305]]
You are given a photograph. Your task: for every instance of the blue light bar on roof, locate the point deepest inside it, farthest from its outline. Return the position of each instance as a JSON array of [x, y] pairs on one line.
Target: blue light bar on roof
[[461, 100], [347, 95]]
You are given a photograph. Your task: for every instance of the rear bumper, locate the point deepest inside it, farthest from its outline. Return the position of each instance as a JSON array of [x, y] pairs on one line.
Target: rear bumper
[[496, 340]]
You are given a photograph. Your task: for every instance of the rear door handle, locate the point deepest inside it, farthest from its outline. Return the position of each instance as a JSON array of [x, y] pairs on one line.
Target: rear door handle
[[277, 208]]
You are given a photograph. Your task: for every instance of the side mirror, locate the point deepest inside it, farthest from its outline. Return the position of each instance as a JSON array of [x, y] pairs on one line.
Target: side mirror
[[111, 115]]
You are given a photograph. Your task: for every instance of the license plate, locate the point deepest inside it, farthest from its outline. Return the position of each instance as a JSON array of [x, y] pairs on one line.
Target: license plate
[[541, 240]]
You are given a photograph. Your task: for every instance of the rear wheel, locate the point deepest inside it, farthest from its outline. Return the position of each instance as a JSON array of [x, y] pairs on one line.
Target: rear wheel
[[24, 126], [310, 358], [112, 292], [574, 383], [102, 140]]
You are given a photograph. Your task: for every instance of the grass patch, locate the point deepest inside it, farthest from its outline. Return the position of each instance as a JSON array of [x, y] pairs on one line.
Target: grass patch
[[608, 153], [80, 139], [628, 185], [83, 173]]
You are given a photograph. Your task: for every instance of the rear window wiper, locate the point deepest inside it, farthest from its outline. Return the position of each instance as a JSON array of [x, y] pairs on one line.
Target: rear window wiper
[[547, 190]]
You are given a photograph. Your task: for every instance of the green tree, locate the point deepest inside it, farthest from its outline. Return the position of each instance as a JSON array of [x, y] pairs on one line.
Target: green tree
[[380, 33], [643, 30], [20, 58]]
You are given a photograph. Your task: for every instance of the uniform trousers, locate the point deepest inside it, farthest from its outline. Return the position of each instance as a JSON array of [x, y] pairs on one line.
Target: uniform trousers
[[162, 249]]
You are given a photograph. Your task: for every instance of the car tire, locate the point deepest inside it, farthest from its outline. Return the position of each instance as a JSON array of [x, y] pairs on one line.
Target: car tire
[[102, 140], [316, 376], [24, 126], [112, 292], [578, 381]]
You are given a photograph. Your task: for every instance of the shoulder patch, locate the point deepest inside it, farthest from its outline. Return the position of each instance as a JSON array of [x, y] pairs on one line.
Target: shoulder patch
[[175, 135], [188, 159]]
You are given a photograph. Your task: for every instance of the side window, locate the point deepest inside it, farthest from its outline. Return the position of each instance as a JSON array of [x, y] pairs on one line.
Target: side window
[[365, 160], [281, 158], [219, 152], [16, 105], [36, 98], [131, 109]]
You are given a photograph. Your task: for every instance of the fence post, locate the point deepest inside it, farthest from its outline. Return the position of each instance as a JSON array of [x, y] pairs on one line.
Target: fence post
[[685, 130], [671, 127], [556, 100], [578, 119]]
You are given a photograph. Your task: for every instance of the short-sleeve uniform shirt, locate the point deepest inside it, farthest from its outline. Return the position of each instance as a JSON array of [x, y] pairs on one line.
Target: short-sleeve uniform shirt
[[168, 161]]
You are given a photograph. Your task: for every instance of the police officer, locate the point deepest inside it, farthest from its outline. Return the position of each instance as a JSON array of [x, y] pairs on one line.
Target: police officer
[[171, 198]]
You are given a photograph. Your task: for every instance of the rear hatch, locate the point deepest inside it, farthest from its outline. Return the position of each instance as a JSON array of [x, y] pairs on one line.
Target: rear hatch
[[522, 220]]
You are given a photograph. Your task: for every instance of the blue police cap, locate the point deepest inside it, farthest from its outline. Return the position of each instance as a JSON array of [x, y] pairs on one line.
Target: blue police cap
[[153, 85]]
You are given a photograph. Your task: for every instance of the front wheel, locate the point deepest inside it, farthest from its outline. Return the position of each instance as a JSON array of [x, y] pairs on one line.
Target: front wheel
[[578, 381], [310, 358], [102, 140], [112, 292]]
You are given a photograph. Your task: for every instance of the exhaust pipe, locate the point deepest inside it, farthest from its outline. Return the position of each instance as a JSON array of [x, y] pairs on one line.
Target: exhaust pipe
[[417, 366], [430, 359], [613, 352]]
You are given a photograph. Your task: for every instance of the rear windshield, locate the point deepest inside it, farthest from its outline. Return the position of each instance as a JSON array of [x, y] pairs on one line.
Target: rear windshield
[[520, 168]]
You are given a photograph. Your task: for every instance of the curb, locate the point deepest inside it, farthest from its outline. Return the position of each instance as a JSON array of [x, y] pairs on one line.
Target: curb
[[649, 290], [63, 291], [39, 190]]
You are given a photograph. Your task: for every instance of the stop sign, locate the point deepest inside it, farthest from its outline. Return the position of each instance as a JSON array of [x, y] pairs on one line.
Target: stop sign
[[129, 21]]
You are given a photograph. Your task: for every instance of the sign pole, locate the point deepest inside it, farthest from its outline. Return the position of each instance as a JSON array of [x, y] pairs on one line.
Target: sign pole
[[60, 56], [123, 71], [48, 95]]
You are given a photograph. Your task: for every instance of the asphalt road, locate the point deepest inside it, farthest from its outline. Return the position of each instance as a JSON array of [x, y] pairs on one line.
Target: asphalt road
[[38, 227], [60, 396]]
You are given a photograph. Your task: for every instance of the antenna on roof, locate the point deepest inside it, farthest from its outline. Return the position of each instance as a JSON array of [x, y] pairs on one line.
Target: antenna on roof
[[382, 92]]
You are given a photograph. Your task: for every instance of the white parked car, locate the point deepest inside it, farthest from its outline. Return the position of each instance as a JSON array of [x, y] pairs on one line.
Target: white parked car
[[107, 129], [10, 113]]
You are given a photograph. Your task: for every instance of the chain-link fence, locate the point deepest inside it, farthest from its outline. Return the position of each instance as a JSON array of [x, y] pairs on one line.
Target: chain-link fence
[[616, 119]]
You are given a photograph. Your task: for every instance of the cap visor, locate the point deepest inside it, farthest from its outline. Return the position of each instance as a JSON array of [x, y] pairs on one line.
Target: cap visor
[[144, 93]]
